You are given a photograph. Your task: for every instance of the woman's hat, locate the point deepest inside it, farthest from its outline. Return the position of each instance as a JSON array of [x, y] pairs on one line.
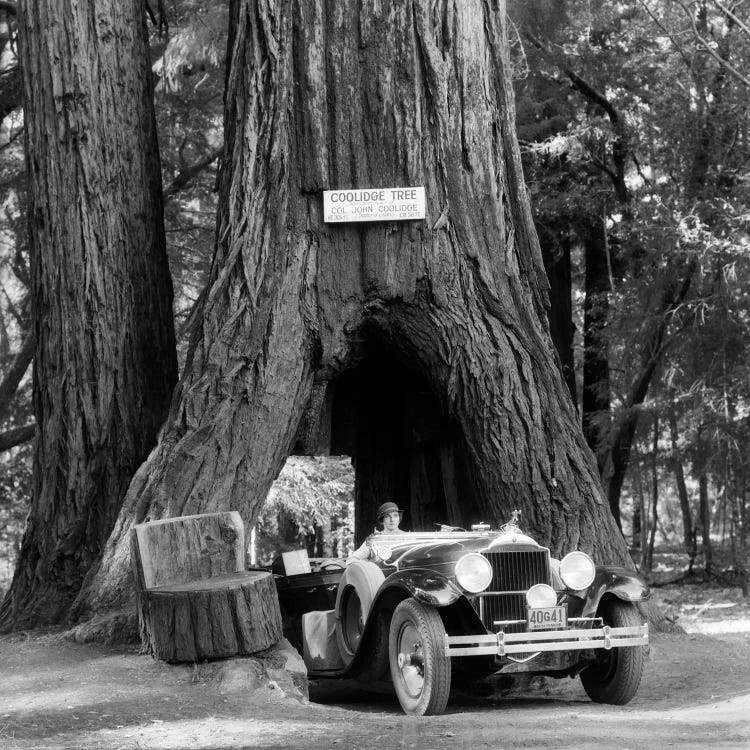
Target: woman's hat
[[387, 508]]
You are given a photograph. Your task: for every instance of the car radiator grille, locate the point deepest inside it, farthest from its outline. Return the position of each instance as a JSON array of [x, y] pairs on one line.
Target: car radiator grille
[[513, 573]]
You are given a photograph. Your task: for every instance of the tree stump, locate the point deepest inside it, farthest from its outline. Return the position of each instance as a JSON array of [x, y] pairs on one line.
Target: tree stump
[[195, 599]]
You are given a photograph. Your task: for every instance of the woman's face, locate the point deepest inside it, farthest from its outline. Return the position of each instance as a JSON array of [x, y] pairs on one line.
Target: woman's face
[[391, 521]]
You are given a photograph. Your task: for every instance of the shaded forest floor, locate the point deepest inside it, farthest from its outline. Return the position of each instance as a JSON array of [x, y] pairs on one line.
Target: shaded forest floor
[[695, 693]]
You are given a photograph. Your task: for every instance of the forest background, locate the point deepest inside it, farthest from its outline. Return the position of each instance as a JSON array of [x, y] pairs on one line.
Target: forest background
[[633, 123]]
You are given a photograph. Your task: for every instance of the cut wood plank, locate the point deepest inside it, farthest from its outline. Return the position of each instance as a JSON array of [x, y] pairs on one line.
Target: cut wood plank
[[190, 548]]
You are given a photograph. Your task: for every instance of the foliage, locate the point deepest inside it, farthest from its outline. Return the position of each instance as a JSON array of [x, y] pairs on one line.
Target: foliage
[[189, 69], [311, 505], [15, 488], [633, 117]]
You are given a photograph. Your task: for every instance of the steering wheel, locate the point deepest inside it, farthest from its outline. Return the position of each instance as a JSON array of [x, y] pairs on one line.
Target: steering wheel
[[333, 566]]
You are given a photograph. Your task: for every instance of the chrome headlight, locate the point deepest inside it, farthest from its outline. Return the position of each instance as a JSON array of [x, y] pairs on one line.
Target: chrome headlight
[[541, 595], [577, 570], [473, 573]]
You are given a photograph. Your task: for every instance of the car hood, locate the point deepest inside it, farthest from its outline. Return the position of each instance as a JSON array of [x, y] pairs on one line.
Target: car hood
[[424, 549]]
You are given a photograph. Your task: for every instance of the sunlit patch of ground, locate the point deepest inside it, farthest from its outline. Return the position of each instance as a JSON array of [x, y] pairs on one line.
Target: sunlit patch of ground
[[702, 608], [698, 603]]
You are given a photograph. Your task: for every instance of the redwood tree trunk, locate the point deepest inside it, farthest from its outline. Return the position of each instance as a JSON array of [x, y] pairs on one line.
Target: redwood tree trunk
[[688, 532], [357, 95], [562, 329], [105, 361], [596, 380], [704, 521]]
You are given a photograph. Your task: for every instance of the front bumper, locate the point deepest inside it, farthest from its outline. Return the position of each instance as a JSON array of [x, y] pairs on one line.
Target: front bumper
[[500, 644]]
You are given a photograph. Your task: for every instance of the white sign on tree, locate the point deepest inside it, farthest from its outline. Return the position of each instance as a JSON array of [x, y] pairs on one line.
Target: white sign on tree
[[373, 204]]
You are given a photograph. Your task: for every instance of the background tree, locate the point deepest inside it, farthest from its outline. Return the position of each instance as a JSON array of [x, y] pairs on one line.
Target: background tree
[[105, 358], [190, 71], [189, 84], [633, 121]]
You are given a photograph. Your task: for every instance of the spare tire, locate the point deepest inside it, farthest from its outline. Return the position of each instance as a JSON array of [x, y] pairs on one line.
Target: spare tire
[[357, 589]]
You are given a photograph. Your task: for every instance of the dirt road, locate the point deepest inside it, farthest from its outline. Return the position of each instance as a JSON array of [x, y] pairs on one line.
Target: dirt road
[[54, 694]]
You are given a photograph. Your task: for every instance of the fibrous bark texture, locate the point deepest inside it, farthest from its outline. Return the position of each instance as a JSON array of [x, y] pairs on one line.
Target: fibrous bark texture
[[195, 598], [210, 619], [105, 361], [356, 95]]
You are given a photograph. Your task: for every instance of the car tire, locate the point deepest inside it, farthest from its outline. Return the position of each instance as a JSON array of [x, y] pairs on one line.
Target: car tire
[[356, 593], [616, 674], [423, 683]]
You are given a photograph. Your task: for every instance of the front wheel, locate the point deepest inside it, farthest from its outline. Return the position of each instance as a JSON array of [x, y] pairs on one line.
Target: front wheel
[[420, 669], [616, 674]]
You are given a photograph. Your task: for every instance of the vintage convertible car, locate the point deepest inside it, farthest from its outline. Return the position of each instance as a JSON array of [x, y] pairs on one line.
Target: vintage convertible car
[[457, 605]]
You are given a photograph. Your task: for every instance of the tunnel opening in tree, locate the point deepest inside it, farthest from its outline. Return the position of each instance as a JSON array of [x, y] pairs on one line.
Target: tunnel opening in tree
[[403, 445]]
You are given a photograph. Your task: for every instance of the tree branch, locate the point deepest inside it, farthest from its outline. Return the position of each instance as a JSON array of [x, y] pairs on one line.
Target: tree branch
[[13, 377], [188, 173], [11, 91], [668, 33], [736, 73], [651, 351], [731, 15], [618, 146], [585, 88], [16, 436]]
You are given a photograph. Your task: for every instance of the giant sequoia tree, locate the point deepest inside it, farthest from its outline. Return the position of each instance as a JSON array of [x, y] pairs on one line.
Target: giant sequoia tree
[[421, 348], [105, 356]]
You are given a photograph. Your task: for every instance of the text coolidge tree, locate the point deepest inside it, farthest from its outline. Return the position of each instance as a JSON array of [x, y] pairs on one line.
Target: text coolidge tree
[[421, 348]]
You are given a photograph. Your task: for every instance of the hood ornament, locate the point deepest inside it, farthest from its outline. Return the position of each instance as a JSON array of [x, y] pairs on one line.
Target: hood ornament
[[510, 533], [512, 527]]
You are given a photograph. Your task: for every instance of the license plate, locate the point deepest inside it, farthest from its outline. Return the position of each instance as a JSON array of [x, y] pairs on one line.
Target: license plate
[[547, 618]]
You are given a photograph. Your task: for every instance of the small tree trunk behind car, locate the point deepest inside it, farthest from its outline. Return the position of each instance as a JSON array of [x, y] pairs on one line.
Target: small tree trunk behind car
[[105, 362]]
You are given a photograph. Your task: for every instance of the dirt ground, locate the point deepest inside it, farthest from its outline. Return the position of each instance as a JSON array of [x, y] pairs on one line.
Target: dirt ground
[[695, 693]]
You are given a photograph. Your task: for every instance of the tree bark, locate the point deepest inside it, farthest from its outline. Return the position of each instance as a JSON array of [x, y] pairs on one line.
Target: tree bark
[[211, 619], [353, 95], [105, 361]]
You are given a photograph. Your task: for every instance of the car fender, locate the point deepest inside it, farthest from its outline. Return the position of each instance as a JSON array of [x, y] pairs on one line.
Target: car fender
[[620, 582], [365, 578], [426, 586]]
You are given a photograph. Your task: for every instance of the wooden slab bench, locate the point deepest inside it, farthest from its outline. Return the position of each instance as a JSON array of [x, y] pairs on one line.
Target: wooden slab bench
[[196, 600]]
